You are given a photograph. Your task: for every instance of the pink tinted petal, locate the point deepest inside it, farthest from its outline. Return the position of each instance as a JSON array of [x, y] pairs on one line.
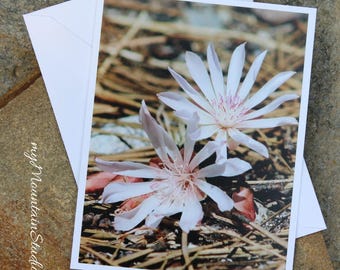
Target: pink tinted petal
[[212, 170], [224, 202], [270, 107], [161, 140], [235, 166], [251, 76], [203, 154], [235, 70], [240, 137], [268, 88], [199, 73], [191, 92], [268, 122], [116, 192], [130, 169], [127, 221], [192, 214], [216, 73]]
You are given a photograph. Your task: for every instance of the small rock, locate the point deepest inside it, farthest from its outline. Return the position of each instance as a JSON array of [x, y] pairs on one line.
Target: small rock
[[276, 17]]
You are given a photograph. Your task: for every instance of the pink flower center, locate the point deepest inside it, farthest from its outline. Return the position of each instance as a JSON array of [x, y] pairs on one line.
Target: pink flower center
[[181, 182], [228, 110]]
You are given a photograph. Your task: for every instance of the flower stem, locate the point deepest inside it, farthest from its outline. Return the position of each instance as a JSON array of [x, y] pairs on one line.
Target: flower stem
[[185, 250]]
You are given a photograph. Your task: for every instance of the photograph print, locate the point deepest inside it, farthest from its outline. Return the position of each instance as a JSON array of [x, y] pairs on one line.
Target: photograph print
[[194, 138]]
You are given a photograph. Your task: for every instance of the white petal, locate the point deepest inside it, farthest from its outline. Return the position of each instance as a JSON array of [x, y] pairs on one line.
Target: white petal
[[251, 76], [184, 107], [128, 168], [116, 192], [236, 166], [191, 92], [200, 74], [153, 220], [125, 222], [203, 154], [212, 170], [268, 88], [235, 70], [168, 208], [204, 132], [216, 73], [268, 122], [221, 153], [224, 202], [271, 106], [249, 142], [189, 142], [161, 140], [177, 101], [192, 214]]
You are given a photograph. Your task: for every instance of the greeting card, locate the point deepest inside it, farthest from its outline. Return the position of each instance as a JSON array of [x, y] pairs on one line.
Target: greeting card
[[194, 156]]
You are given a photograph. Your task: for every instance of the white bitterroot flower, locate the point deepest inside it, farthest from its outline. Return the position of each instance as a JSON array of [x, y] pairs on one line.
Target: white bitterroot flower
[[225, 109], [177, 185]]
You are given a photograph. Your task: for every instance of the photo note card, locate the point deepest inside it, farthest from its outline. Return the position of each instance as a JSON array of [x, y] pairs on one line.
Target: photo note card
[[194, 156]]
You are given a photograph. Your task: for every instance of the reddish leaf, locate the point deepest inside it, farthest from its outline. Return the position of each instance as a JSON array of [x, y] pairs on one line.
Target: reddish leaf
[[98, 181], [244, 203]]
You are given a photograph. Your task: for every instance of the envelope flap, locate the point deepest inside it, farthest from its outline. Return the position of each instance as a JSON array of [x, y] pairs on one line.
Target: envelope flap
[[76, 16]]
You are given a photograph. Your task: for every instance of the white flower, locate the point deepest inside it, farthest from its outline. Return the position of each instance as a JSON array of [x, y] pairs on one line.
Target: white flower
[[178, 185], [226, 109]]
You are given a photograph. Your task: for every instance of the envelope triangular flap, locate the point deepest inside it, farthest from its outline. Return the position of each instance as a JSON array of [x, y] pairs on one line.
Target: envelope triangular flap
[[77, 16]]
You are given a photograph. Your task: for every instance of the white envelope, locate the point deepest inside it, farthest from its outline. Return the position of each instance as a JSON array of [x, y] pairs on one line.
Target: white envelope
[[65, 39]]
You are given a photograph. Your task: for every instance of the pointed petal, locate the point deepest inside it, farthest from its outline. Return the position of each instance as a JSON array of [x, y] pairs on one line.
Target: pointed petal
[[184, 107], [161, 140], [192, 214], [204, 132], [268, 122], [168, 208], [224, 202], [128, 168], [203, 154], [251, 76], [242, 138], [200, 74], [190, 91], [189, 142], [126, 222], [212, 170], [177, 101], [216, 72], [153, 220], [221, 153], [268, 88], [235, 70], [116, 192], [235, 166], [271, 106]]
